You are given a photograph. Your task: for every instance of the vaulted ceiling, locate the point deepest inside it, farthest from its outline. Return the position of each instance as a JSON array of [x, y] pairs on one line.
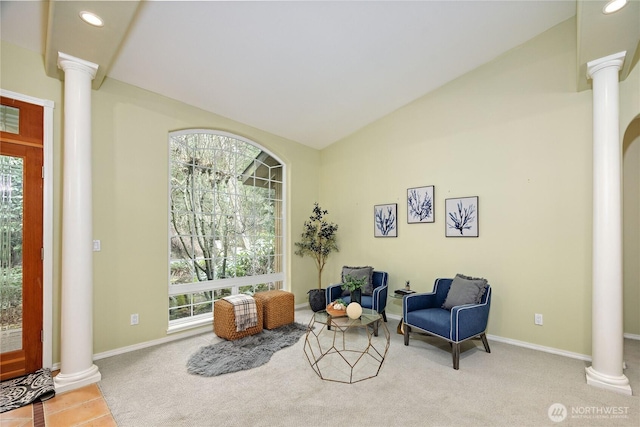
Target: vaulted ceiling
[[310, 71]]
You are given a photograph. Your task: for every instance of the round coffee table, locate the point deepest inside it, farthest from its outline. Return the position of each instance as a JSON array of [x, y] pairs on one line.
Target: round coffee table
[[346, 350]]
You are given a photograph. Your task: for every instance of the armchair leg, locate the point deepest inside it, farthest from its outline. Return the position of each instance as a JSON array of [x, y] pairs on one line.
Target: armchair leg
[[455, 351], [384, 315], [406, 334], [483, 337]]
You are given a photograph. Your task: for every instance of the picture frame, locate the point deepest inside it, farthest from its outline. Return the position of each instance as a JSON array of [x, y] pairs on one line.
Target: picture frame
[[385, 220], [461, 217], [420, 205]]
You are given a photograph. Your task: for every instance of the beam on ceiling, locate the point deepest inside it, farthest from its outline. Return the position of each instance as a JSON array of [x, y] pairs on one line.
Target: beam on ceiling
[[68, 33]]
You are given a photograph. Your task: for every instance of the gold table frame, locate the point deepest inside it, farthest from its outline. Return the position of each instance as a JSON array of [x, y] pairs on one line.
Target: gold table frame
[[346, 350]]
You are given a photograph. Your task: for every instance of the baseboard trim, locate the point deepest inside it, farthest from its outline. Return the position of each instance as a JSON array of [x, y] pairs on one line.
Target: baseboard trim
[[146, 344], [207, 328], [531, 346], [526, 345], [538, 347]]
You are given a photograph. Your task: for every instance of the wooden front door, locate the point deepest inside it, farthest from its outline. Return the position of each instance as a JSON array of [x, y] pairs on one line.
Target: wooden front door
[[21, 237]]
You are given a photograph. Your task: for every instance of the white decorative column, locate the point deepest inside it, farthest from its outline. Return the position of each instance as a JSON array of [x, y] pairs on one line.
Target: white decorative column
[[607, 329], [76, 341]]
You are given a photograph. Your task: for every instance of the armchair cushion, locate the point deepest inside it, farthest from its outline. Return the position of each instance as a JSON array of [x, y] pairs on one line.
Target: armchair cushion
[[357, 273], [465, 290], [439, 320]]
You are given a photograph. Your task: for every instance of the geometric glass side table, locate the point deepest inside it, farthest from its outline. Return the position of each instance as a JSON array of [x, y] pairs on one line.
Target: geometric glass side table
[[351, 350]]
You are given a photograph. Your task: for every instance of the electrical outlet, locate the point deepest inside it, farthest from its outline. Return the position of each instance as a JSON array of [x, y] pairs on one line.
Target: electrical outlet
[[537, 319], [96, 246], [134, 319]]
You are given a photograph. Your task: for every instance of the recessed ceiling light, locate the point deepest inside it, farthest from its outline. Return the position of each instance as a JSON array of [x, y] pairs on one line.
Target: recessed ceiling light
[[613, 6], [91, 18]]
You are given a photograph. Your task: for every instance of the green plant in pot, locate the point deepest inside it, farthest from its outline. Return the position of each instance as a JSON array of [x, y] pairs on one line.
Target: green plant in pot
[[318, 240], [354, 285]]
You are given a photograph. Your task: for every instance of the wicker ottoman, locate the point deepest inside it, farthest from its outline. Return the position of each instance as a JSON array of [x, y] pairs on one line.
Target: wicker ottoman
[[278, 307], [224, 321]]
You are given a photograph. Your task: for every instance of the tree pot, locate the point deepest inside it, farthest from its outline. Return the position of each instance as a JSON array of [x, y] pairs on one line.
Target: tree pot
[[317, 299], [356, 296]]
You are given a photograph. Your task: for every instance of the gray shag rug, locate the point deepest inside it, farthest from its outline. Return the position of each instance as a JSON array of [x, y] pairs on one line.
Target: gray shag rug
[[245, 353]]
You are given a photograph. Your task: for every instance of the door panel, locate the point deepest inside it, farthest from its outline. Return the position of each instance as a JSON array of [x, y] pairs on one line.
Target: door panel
[[21, 222]]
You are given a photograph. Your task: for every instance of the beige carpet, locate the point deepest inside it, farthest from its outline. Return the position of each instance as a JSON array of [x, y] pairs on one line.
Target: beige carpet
[[512, 386]]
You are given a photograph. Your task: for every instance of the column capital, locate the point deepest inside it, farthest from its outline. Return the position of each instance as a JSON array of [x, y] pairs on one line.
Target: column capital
[[68, 62], [615, 60]]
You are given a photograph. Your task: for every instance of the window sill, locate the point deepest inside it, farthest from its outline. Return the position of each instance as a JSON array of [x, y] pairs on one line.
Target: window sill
[[190, 324]]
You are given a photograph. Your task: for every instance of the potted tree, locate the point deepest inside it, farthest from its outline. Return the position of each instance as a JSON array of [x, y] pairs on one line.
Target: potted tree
[[354, 286], [318, 240]]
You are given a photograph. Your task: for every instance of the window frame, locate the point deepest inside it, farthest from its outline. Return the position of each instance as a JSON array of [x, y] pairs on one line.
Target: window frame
[[233, 283]]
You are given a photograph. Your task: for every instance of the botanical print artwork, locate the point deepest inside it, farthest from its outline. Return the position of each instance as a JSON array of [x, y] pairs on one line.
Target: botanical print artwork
[[420, 205], [385, 220], [462, 217]]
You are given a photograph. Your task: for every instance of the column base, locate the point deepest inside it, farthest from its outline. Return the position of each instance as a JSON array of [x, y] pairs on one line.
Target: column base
[[618, 384], [66, 382]]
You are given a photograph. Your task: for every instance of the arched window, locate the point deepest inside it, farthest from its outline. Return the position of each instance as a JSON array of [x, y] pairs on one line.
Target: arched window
[[226, 222]]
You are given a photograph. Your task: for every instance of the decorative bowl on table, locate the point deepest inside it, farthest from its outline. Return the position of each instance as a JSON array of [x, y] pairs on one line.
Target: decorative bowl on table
[[337, 309]]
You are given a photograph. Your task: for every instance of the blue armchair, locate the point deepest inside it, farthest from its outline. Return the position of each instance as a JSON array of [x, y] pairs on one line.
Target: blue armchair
[[425, 313], [376, 301]]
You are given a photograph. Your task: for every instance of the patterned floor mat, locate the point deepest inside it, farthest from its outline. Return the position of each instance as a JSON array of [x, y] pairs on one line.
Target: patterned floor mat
[[21, 391]]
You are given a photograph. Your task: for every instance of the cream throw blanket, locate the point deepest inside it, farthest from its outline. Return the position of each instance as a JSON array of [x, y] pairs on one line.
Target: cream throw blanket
[[245, 310]]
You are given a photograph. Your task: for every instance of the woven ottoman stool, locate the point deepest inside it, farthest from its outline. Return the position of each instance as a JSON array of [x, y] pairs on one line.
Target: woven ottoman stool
[[278, 307], [224, 321]]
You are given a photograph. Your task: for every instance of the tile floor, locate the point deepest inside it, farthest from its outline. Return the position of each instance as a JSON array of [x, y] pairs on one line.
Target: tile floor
[[82, 407]]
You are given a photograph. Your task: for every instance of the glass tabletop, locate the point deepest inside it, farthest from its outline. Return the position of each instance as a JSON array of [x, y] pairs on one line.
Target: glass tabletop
[[367, 317]]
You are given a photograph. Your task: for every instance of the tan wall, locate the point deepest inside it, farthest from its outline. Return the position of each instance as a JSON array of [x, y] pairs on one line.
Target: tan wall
[[513, 132], [631, 227], [130, 170]]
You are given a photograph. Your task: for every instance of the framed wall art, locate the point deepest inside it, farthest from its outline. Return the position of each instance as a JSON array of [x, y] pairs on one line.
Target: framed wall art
[[385, 220], [461, 217], [420, 207]]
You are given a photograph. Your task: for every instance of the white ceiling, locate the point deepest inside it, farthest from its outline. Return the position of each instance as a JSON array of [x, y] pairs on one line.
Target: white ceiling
[[310, 71]]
